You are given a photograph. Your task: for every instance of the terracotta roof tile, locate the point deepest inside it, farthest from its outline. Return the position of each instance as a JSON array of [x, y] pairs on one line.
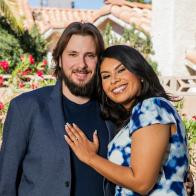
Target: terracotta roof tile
[[116, 2], [129, 4], [56, 18], [135, 20], [147, 13], [124, 16], [115, 10], [51, 18], [101, 12], [137, 13]]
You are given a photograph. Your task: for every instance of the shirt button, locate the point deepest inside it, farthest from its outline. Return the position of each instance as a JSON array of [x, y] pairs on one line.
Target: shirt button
[[67, 183]]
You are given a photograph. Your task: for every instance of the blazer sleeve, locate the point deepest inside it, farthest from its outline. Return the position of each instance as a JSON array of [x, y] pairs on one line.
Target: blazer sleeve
[[13, 149]]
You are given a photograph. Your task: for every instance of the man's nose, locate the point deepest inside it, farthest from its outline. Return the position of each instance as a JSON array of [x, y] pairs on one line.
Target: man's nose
[[82, 62]]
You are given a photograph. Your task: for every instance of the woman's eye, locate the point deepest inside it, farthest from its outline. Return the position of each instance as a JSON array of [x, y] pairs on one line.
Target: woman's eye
[[105, 77], [121, 70]]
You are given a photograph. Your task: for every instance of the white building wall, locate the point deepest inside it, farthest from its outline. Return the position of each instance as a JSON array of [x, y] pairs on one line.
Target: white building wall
[[173, 33]]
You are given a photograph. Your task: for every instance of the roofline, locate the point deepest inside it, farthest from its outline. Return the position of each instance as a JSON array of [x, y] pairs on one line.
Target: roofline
[[113, 18]]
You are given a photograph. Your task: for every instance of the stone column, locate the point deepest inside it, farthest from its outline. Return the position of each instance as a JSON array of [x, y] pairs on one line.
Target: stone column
[[173, 34]]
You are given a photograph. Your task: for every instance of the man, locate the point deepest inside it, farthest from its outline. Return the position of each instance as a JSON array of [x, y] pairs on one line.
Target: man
[[35, 160]]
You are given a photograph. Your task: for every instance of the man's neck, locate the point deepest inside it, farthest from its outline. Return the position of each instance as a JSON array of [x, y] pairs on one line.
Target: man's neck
[[72, 97]]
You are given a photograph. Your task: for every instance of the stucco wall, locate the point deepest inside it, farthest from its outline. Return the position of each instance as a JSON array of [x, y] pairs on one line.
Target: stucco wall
[[173, 33]]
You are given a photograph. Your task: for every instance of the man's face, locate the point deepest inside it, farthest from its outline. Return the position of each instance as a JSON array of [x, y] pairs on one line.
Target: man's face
[[78, 64]]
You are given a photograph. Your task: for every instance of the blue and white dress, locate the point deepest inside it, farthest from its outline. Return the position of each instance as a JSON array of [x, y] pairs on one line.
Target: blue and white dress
[[173, 172]]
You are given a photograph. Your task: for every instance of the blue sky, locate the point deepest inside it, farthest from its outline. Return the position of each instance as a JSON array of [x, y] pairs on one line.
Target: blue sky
[[83, 4]]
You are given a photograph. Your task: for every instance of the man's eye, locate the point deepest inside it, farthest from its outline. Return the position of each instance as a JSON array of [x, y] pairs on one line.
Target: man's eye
[[72, 54], [91, 56]]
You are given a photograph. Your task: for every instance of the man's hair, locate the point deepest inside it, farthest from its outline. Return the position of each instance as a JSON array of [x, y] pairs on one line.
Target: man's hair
[[76, 28]]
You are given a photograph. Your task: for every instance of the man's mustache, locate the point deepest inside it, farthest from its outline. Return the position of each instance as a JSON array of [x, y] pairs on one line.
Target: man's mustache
[[84, 71]]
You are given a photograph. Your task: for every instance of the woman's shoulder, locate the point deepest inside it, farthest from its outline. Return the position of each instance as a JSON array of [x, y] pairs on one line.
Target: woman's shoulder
[[152, 103], [155, 100], [152, 111]]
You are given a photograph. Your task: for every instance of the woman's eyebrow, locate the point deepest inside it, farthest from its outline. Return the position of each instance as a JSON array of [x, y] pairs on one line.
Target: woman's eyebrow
[[117, 66]]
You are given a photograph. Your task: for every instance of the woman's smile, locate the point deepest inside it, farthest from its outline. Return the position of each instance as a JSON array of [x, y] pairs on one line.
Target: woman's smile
[[119, 89]]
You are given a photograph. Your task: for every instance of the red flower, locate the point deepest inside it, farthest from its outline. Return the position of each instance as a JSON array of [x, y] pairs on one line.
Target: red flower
[[21, 85], [4, 65], [1, 81], [40, 73], [44, 63], [26, 72], [1, 106], [31, 59], [194, 118]]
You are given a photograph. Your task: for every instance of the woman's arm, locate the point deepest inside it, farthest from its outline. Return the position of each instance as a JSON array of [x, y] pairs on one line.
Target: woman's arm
[[148, 148]]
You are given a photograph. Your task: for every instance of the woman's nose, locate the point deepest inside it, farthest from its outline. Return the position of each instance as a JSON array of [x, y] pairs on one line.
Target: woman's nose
[[114, 78]]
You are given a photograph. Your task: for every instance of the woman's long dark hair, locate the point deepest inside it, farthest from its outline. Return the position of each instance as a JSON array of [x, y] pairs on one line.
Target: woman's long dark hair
[[137, 65]]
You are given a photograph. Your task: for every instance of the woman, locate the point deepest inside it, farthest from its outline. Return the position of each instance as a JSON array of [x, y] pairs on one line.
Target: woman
[[148, 155]]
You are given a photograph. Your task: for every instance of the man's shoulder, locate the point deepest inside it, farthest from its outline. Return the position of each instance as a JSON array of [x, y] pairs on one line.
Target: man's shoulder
[[38, 94]]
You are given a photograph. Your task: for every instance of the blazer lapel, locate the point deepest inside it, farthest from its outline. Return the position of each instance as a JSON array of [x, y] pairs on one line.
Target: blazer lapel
[[57, 117], [111, 129]]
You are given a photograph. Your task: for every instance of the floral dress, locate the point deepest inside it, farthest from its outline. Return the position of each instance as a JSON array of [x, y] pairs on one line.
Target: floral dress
[[173, 172]]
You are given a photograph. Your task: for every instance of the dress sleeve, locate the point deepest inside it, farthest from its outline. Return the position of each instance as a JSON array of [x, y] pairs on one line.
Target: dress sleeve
[[151, 111]]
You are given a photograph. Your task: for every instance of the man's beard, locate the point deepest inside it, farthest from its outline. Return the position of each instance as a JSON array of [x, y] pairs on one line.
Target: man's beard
[[86, 90]]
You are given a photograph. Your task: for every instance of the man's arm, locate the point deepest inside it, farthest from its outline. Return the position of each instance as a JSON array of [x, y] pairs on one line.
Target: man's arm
[[12, 150]]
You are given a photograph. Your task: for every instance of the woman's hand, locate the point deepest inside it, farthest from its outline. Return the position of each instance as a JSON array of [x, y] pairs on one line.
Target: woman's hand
[[83, 148]]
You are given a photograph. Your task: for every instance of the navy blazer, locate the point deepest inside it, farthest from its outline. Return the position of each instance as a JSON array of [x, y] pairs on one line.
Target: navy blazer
[[34, 157]]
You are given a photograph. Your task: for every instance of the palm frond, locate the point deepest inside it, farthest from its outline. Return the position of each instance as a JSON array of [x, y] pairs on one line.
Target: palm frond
[[10, 10]]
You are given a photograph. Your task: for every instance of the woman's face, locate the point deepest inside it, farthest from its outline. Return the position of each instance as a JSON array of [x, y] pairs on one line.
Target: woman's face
[[118, 83]]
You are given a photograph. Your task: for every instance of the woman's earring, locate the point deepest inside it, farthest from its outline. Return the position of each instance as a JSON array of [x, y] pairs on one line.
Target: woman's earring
[[142, 80]]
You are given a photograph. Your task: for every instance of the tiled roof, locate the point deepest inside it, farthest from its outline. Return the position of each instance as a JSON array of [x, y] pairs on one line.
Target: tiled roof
[[47, 18], [127, 3], [55, 18]]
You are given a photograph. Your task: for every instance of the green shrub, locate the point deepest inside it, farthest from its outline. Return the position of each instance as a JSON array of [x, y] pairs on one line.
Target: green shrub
[[190, 126], [13, 44], [134, 37]]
